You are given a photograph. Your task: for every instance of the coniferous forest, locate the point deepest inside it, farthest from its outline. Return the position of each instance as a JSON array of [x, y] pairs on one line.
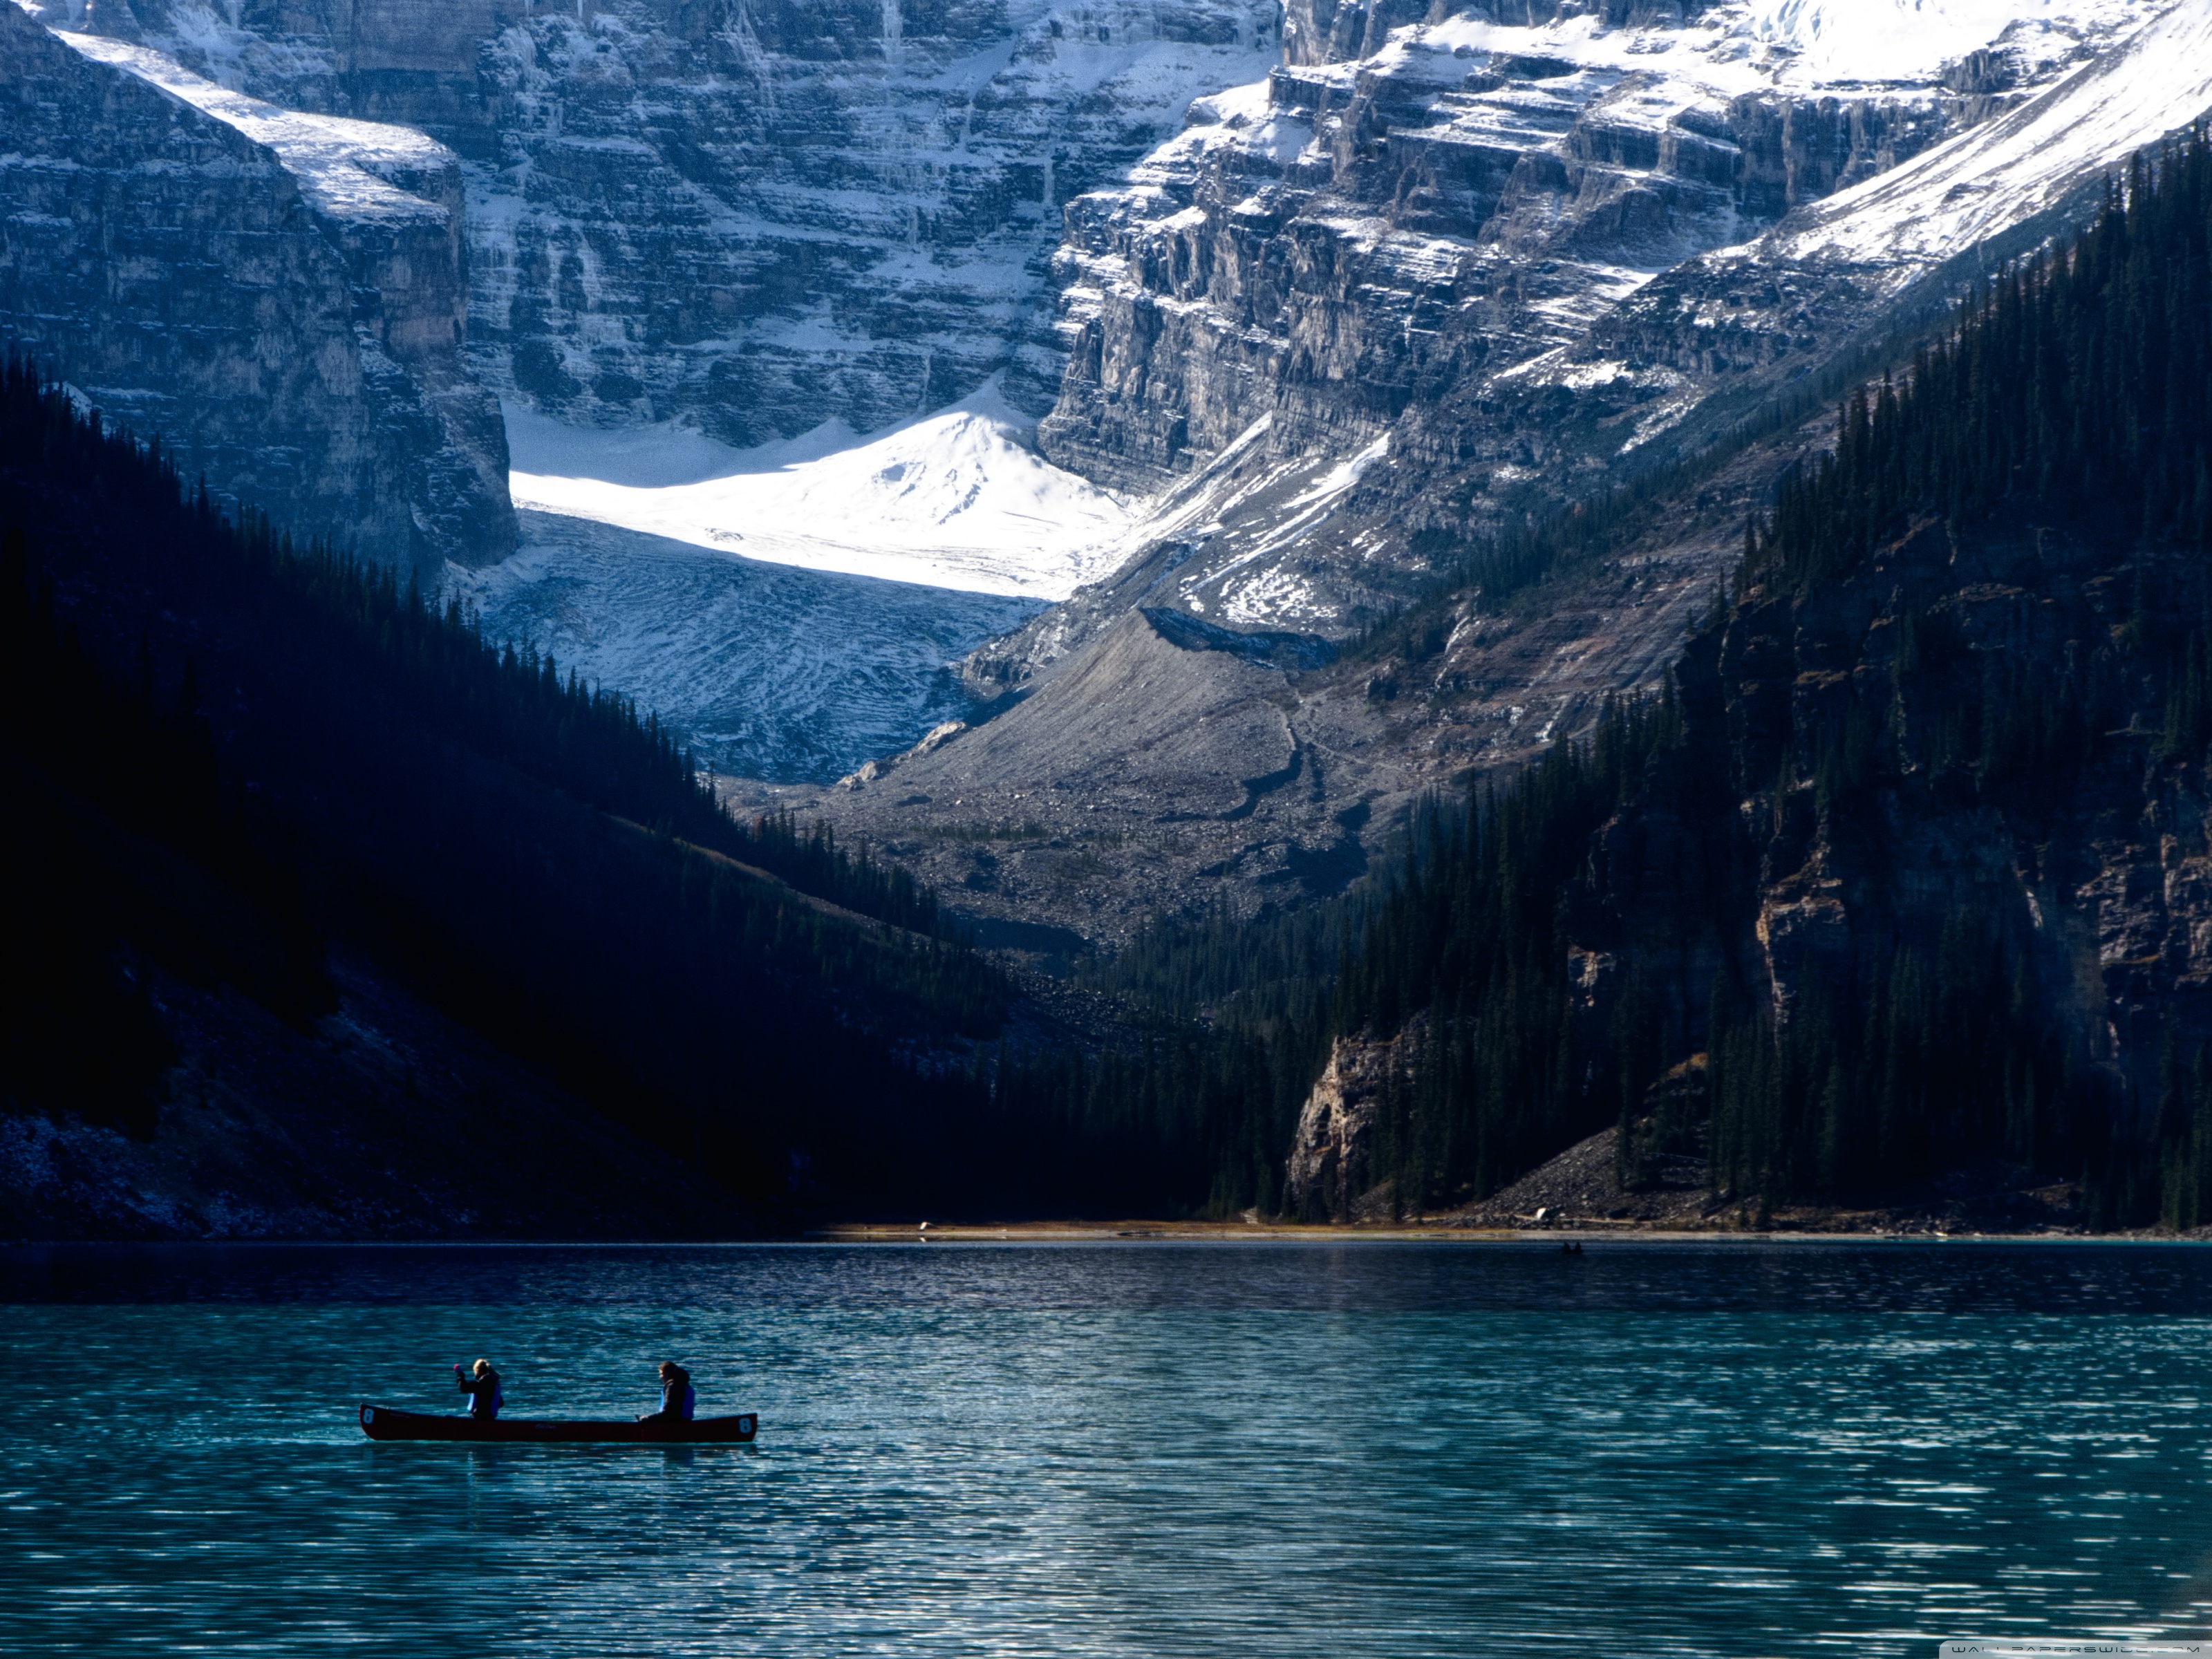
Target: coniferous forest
[[1787, 912], [229, 756], [1795, 910]]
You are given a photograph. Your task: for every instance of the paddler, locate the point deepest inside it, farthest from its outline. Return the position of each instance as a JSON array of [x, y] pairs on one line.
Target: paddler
[[677, 1396], [482, 1390]]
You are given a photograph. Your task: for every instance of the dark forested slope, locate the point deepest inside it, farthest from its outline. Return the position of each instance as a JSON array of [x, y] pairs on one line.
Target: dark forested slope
[[254, 792], [1904, 887], [1908, 872]]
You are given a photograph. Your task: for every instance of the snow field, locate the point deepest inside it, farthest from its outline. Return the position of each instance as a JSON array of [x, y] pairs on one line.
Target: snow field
[[955, 499]]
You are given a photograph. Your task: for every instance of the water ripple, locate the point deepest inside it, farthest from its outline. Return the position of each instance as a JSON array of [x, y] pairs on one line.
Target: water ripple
[[1114, 1450]]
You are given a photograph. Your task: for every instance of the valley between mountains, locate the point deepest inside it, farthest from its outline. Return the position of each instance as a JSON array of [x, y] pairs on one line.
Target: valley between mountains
[[1349, 612]]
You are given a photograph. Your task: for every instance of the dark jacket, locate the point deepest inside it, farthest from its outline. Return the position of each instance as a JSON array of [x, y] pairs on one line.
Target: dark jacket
[[676, 1398], [485, 1398]]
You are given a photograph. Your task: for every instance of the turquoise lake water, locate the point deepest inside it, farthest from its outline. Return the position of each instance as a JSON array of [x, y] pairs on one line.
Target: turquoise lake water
[[1136, 1448]]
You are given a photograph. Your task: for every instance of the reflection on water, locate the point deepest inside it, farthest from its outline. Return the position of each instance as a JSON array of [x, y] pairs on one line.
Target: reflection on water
[[1135, 1449]]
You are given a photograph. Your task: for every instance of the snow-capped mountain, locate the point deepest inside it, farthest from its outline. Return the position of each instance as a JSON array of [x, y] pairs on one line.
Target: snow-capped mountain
[[1712, 341], [1306, 246], [757, 213], [1451, 256], [779, 282]]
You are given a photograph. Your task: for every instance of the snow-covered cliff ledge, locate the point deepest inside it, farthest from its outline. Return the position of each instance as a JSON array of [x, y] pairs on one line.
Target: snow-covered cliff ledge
[[282, 298], [1327, 246], [758, 214]]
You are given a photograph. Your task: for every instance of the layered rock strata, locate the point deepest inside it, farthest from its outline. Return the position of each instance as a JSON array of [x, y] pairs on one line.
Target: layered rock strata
[[758, 213], [1832, 289], [1274, 530], [1440, 256], [280, 299]]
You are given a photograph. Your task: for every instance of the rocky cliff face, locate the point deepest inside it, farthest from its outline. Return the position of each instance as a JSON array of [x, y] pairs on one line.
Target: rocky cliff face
[[1663, 375], [1327, 1174], [1335, 456], [1435, 251], [280, 298], [2094, 851], [1216, 292], [758, 213]]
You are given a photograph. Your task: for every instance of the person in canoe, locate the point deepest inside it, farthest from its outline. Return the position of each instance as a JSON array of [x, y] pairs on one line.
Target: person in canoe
[[482, 1390], [677, 1395]]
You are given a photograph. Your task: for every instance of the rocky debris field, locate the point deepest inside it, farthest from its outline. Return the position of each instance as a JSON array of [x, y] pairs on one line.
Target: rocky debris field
[[1164, 765]]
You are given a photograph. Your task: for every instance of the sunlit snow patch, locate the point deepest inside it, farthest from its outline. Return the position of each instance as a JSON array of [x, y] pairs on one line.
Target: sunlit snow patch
[[334, 160], [1837, 40], [1746, 47], [2005, 171], [956, 499]]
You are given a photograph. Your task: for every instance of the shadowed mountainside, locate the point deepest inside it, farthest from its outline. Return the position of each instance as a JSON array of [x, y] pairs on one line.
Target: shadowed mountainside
[[373, 894], [282, 297]]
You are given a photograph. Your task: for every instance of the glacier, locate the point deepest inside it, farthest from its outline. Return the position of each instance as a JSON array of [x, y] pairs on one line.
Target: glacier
[[800, 607], [771, 672], [346, 168]]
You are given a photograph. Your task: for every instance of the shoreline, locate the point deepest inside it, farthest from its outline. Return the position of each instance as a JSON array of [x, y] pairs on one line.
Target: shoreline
[[1129, 1232], [1435, 1232]]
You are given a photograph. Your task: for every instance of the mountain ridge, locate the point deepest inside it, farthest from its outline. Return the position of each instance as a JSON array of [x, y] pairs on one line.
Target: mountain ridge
[[1685, 361]]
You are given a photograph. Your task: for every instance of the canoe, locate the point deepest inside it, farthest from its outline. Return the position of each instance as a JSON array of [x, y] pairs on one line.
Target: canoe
[[383, 1423]]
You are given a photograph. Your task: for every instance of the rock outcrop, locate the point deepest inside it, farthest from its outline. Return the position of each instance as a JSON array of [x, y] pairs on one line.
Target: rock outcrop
[[1972, 824], [280, 298], [1327, 1173]]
